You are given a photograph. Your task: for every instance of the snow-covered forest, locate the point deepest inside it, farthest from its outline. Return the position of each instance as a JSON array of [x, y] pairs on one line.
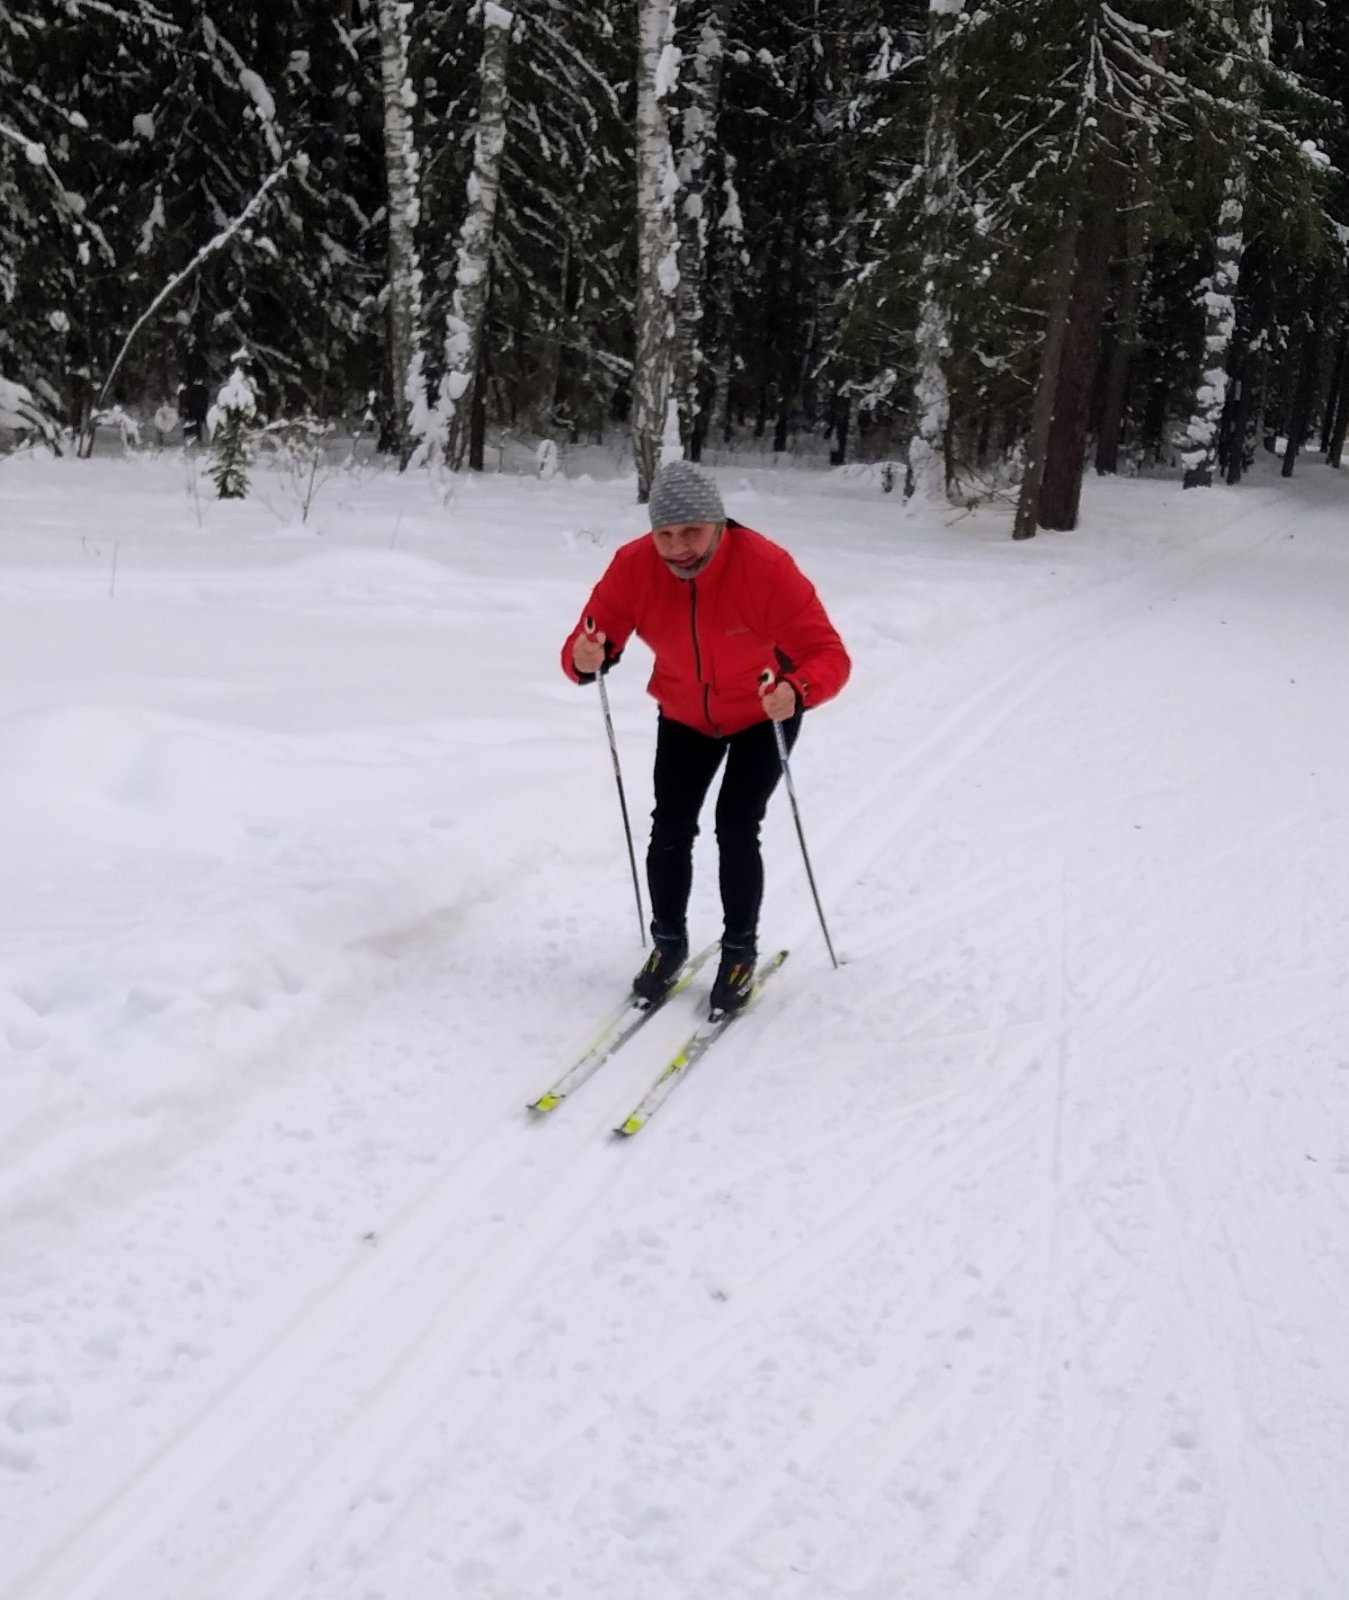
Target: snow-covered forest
[[996, 244], [998, 1250]]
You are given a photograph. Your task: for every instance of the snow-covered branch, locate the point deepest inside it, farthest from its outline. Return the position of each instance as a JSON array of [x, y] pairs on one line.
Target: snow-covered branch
[[209, 249]]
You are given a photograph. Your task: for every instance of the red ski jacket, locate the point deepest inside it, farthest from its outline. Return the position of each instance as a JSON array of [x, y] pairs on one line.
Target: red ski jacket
[[749, 609]]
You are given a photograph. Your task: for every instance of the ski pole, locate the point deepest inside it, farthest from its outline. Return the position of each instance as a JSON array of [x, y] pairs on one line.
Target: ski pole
[[766, 679], [622, 797]]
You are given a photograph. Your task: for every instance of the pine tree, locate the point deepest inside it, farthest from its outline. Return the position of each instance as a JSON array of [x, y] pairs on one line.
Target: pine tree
[[230, 423]]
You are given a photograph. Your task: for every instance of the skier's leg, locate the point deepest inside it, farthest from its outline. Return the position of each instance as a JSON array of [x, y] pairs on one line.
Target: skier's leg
[[686, 762], [753, 768]]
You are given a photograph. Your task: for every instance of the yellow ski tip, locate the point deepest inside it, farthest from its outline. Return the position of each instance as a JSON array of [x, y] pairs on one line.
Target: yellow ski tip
[[633, 1125], [546, 1102]]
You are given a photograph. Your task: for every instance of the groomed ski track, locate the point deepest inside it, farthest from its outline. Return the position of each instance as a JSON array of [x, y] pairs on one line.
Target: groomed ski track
[[1008, 1263]]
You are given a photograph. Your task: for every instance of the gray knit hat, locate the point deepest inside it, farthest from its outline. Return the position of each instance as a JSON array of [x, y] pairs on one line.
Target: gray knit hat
[[681, 492]]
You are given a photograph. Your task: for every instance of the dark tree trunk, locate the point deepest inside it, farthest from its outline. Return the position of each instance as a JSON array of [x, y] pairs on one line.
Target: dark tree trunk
[[789, 332], [1042, 413], [1116, 389], [195, 398], [1340, 427], [1333, 392], [1115, 395], [781, 429], [477, 415], [1309, 376], [1065, 458], [842, 422], [1254, 312], [761, 418], [1237, 419]]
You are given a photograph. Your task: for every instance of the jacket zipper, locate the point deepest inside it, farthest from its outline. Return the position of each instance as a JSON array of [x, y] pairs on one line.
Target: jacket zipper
[[697, 653]]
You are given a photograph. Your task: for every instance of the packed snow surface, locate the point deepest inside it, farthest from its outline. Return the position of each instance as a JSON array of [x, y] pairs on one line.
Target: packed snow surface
[[1008, 1262]]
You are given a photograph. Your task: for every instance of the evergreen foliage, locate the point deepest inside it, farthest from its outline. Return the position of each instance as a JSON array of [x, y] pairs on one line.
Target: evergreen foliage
[[230, 423], [1133, 252]]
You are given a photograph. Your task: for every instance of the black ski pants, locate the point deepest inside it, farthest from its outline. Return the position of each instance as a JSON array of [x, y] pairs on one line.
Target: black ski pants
[[686, 763]]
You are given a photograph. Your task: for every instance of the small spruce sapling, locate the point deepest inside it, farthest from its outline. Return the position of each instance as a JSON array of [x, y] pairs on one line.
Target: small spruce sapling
[[229, 423]]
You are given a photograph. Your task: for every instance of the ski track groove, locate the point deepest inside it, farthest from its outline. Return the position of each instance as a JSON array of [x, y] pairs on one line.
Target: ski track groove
[[186, 1468], [1133, 994], [982, 1121], [161, 1486], [968, 727], [782, 1280], [372, 1429], [917, 1428], [966, 1142], [779, 1288]]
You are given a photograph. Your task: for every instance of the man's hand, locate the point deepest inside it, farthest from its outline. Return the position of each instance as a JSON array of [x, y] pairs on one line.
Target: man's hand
[[779, 699], [587, 654]]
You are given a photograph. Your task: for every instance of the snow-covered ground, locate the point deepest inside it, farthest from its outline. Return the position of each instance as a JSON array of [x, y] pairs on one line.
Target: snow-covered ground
[[1009, 1262]]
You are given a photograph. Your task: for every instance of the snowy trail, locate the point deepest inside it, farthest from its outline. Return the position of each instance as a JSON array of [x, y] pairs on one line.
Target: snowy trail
[[1008, 1261]]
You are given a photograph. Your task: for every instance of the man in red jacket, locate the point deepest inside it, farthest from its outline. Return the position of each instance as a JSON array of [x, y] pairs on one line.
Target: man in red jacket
[[720, 606]]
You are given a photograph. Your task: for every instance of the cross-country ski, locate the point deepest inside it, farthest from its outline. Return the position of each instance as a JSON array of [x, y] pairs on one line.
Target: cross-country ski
[[622, 1025], [693, 1049]]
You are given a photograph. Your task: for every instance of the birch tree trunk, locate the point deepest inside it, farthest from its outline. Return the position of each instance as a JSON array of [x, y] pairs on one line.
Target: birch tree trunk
[[699, 138], [406, 326], [468, 310], [929, 472], [657, 244]]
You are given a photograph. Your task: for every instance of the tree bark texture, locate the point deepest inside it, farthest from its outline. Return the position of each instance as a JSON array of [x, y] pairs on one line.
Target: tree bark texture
[[472, 280], [1042, 412], [1308, 381], [657, 243], [1334, 389], [697, 145], [1340, 427], [1199, 448], [1066, 448], [929, 474], [1119, 369], [406, 331]]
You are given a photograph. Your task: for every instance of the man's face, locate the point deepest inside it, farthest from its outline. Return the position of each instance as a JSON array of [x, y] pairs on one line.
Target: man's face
[[687, 547]]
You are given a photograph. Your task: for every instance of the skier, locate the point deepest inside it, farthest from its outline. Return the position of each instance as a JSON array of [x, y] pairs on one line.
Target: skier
[[741, 641]]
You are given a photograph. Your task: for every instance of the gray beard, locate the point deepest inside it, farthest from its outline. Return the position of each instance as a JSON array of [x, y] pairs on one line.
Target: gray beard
[[692, 572]]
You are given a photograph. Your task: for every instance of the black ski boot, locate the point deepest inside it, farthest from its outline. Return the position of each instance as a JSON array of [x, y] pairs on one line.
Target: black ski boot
[[734, 982], [669, 952]]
